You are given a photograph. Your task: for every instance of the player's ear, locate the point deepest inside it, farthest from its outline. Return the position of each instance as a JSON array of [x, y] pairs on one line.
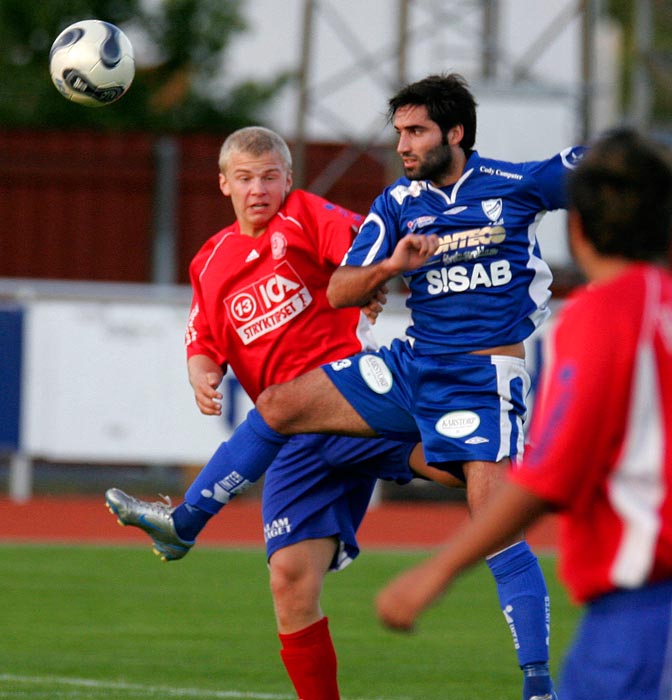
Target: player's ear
[[224, 185], [288, 182], [455, 135]]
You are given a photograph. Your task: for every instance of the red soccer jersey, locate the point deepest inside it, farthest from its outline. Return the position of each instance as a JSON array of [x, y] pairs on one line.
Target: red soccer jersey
[[259, 304], [602, 433]]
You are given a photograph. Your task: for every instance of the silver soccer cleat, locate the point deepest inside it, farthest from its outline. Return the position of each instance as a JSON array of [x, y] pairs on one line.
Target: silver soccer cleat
[[156, 519]]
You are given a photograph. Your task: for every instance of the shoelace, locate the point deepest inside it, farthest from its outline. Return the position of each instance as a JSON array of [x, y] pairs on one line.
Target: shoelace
[[163, 508]]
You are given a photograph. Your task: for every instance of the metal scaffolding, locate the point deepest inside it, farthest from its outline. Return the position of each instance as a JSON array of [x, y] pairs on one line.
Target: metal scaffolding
[[479, 19]]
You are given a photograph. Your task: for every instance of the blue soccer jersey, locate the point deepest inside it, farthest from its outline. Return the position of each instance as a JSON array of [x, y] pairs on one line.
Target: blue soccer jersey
[[487, 285]]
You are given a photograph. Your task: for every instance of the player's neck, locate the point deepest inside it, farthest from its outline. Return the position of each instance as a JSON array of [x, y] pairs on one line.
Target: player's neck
[[596, 266], [603, 269], [456, 170], [251, 231]]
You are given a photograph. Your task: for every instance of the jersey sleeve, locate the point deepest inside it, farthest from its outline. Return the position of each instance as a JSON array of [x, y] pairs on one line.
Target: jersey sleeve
[[198, 338], [550, 177], [377, 235], [577, 413], [333, 227]]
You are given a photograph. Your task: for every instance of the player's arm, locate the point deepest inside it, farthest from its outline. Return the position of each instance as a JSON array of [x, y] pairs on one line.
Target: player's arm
[[205, 375], [400, 603], [352, 285], [375, 305]]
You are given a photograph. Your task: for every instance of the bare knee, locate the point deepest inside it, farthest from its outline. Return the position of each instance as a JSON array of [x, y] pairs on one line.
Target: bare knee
[[297, 575], [296, 595], [483, 481], [269, 404], [310, 403]]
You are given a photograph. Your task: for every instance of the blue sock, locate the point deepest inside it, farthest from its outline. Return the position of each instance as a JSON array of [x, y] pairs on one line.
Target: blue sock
[[189, 521], [524, 599], [236, 464], [537, 682]]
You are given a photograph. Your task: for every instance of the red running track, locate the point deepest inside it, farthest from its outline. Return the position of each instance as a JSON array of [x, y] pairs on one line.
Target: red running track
[[86, 520]]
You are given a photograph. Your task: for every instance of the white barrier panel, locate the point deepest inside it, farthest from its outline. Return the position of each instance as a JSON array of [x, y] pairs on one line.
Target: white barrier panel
[[106, 381]]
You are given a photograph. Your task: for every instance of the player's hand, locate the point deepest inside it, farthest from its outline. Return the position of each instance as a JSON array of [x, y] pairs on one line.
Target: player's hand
[[414, 250], [375, 305], [208, 399], [400, 602], [205, 375]]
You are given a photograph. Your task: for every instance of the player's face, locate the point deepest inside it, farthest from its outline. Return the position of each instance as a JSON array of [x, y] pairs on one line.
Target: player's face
[[425, 153], [257, 186]]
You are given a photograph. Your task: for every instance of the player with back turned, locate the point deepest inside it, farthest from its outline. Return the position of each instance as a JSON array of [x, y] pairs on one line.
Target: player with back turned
[[601, 438], [461, 228]]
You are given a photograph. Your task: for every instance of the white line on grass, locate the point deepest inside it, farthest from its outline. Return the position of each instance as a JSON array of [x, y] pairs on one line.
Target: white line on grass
[[136, 687], [151, 690]]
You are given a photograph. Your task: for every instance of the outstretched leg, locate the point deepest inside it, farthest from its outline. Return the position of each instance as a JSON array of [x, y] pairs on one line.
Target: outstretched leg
[[308, 404]]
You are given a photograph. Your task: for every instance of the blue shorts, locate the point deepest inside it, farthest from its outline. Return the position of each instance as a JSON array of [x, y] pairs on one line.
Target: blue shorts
[[622, 648], [320, 485], [463, 407]]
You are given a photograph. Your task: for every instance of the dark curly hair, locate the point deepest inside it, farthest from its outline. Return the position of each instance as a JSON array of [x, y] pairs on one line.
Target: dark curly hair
[[448, 100], [622, 191]]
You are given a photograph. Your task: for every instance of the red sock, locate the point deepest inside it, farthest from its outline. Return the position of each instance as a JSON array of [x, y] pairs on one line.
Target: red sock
[[310, 660]]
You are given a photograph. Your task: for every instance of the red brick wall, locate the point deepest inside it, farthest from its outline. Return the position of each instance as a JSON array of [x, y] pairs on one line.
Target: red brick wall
[[80, 206]]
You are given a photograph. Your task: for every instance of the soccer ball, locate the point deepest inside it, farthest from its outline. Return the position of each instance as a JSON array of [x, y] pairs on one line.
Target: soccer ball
[[91, 63]]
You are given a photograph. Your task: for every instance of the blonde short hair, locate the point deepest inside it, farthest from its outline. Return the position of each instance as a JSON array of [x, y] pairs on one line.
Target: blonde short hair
[[255, 140]]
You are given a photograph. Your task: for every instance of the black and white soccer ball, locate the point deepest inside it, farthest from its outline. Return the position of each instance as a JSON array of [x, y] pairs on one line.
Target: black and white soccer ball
[[92, 63]]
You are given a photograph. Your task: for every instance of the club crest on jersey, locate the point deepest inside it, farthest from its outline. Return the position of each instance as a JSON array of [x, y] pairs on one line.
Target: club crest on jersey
[[492, 208], [270, 302], [278, 245]]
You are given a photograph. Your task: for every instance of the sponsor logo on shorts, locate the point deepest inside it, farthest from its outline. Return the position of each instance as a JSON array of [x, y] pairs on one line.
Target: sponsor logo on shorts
[[375, 373], [278, 527], [457, 424], [476, 440], [340, 364]]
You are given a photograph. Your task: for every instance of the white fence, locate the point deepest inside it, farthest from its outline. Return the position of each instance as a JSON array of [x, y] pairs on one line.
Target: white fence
[[104, 377]]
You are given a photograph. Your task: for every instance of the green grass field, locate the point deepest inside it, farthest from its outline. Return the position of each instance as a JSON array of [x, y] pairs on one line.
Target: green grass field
[[88, 623]]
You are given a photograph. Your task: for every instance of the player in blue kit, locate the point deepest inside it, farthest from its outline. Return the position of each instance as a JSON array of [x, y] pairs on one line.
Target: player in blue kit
[[461, 229]]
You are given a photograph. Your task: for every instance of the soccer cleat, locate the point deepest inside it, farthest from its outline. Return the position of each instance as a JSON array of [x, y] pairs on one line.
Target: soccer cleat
[[547, 696], [156, 519]]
